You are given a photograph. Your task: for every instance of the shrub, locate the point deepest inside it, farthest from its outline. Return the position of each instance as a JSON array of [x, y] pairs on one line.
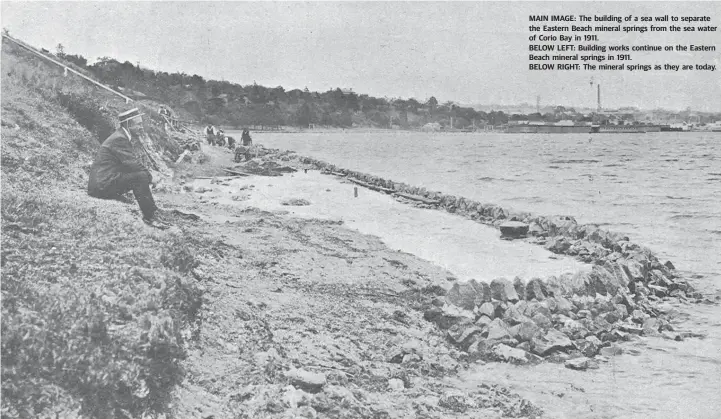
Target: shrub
[[92, 311]]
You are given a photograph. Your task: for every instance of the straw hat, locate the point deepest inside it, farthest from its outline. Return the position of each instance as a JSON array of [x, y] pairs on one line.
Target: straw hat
[[131, 114]]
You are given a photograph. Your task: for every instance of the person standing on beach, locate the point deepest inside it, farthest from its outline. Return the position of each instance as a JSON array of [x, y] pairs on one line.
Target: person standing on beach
[[116, 171]]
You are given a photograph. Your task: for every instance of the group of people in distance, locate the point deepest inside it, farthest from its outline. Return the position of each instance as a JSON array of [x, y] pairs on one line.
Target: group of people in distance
[[116, 170]]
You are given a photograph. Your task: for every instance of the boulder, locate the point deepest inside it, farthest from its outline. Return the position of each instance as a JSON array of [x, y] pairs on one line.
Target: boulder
[[483, 321], [563, 306], [306, 380], [581, 364], [462, 333], [448, 315], [512, 355], [463, 294], [498, 330], [558, 245], [503, 290], [553, 340], [520, 287], [588, 348], [524, 332], [513, 229], [651, 327], [535, 229], [513, 316], [536, 289], [542, 321], [487, 309]]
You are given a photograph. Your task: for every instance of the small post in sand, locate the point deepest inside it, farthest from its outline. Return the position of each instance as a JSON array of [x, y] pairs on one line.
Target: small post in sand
[[355, 191]]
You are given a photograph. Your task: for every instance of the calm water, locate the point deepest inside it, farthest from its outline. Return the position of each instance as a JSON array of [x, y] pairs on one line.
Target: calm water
[[662, 189]]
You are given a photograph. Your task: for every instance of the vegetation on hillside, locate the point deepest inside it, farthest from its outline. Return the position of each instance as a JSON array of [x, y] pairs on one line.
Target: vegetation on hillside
[[96, 309]]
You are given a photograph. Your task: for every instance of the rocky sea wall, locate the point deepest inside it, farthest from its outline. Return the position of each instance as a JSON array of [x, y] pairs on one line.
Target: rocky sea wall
[[573, 318]]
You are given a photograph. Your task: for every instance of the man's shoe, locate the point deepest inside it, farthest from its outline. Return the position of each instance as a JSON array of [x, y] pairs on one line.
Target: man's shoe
[[157, 222]]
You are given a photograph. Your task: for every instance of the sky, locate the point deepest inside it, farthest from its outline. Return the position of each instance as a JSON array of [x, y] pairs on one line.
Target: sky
[[466, 52]]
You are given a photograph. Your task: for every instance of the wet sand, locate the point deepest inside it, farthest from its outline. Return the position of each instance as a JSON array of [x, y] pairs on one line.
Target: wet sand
[[466, 248]]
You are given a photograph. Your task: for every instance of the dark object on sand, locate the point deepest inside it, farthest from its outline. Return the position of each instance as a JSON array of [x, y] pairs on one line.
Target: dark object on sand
[[513, 229]]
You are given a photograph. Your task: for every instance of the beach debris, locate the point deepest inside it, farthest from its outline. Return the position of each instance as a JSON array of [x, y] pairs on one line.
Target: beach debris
[[513, 229], [296, 202]]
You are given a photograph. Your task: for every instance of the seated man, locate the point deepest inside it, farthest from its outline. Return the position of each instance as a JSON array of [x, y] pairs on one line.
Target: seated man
[[116, 171]]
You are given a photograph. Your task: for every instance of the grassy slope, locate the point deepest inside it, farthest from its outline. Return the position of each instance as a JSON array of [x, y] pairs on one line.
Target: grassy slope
[[94, 302]]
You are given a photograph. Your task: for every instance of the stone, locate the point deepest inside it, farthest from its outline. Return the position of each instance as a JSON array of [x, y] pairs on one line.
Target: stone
[[558, 245], [587, 348], [513, 229], [542, 321], [581, 364], [487, 309], [306, 380], [498, 330], [563, 306], [658, 290], [534, 229], [669, 265], [584, 314], [396, 384], [612, 350], [536, 289], [502, 290], [520, 287], [639, 316], [460, 334], [525, 331], [630, 328], [512, 355], [651, 327], [574, 329], [553, 340], [621, 311], [463, 294], [483, 321], [537, 307], [448, 315], [634, 269], [513, 316]]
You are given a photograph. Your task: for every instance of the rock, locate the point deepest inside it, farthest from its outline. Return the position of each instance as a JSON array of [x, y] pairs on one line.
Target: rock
[[558, 245], [639, 316], [584, 314], [669, 265], [535, 229], [483, 321], [658, 290], [513, 316], [553, 340], [513, 229], [630, 328], [525, 331], [448, 315], [468, 294], [542, 321], [613, 350], [461, 334], [498, 330], [587, 348], [502, 290], [651, 327], [581, 364], [671, 335], [411, 358], [306, 380], [520, 288], [536, 289], [487, 309], [574, 329], [396, 384], [635, 270], [512, 355], [537, 307], [621, 311], [563, 306]]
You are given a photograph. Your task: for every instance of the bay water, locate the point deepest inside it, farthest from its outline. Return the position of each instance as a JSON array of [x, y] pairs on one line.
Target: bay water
[[663, 190]]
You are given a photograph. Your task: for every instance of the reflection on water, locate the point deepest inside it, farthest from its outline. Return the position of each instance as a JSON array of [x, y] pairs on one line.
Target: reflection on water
[[661, 189]]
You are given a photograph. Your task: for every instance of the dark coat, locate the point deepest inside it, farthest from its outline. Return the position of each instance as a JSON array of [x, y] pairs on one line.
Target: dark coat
[[114, 158]]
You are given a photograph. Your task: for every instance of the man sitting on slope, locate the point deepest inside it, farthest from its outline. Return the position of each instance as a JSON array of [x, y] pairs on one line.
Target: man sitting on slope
[[116, 171]]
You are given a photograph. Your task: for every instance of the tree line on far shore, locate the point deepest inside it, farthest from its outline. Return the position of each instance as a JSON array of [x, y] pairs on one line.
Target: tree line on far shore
[[224, 103]]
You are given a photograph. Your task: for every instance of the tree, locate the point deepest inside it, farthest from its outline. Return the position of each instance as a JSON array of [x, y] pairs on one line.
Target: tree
[[432, 103], [60, 50]]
